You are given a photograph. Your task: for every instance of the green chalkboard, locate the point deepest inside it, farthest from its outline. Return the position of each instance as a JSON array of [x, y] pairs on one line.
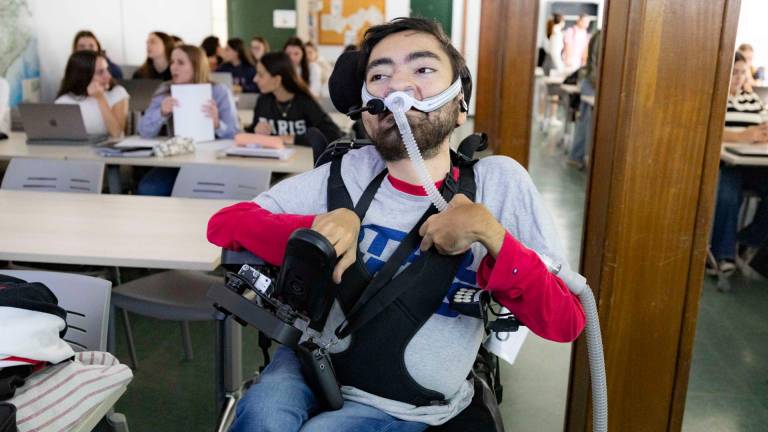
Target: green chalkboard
[[438, 10], [248, 18]]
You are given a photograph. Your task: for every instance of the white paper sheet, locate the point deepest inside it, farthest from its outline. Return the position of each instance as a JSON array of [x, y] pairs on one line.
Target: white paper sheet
[[189, 119]]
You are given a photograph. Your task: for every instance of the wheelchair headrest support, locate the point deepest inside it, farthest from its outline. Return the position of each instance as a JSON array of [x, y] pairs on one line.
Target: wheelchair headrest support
[[348, 77]]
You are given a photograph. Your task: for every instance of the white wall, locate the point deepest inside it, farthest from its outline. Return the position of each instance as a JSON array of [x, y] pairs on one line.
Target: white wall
[[751, 29], [121, 26]]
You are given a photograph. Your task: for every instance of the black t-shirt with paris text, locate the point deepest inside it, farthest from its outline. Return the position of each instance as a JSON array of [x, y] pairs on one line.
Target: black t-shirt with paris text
[[293, 117]]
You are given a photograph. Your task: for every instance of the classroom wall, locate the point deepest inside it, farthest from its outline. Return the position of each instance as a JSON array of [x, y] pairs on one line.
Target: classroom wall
[[121, 26], [751, 29], [248, 18]]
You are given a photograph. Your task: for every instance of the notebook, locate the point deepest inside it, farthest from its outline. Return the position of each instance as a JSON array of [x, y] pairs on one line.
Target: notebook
[[261, 152]]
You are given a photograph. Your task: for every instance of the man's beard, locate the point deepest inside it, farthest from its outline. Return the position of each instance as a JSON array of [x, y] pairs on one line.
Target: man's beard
[[429, 132]]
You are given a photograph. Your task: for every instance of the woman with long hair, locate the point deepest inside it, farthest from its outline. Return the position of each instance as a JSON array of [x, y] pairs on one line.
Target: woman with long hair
[[309, 72], [157, 65], [286, 107], [85, 40], [237, 61], [88, 83], [188, 66], [259, 47]]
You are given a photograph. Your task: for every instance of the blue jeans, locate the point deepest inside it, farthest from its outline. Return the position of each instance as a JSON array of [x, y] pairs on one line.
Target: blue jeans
[[730, 193], [582, 136], [158, 182], [282, 402]]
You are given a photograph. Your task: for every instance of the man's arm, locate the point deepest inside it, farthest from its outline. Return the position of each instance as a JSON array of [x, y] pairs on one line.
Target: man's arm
[[520, 281], [514, 274], [247, 226]]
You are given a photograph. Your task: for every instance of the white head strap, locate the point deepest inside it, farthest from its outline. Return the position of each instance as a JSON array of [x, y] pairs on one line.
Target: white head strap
[[405, 101]]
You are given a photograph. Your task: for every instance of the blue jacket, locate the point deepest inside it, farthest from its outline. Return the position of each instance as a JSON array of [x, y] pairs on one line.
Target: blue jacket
[[152, 121]]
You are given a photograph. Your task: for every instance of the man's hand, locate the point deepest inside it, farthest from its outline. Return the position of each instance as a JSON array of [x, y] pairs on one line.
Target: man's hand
[[341, 227], [453, 231]]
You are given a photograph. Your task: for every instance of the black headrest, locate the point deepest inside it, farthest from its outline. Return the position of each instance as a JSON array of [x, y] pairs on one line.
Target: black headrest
[[347, 79]]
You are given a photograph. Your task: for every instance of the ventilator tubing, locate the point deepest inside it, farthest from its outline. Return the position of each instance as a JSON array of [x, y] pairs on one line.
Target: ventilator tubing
[[578, 285], [399, 103]]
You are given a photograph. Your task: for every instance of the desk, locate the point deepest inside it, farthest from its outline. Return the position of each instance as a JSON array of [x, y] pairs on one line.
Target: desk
[[570, 89], [206, 153], [108, 230], [734, 159], [589, 100], [120, 231]]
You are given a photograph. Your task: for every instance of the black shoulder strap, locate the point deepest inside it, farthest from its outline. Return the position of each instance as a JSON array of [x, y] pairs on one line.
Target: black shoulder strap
[[338, 196], [378, 295]]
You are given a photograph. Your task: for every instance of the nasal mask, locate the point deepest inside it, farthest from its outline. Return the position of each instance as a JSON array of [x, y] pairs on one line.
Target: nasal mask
[[401, 102]]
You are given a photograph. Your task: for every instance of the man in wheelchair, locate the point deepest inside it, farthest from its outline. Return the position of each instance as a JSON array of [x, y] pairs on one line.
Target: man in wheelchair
[[403, 365]]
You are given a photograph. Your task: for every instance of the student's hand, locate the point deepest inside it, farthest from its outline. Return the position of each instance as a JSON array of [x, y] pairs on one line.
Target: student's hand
[[341, 227], [166, 106], [212, 111], [263, 128], [453, 231], [756, 134], [95, 89]]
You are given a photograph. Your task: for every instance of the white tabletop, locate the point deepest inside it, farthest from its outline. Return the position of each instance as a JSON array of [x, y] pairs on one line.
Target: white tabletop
[[206, 153], [589, 100], [108, 230]]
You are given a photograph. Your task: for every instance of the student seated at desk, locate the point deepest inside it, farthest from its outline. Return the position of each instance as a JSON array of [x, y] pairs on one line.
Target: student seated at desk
[[309, 72], [189, 65], [238, 63], [85, 40], [259, 47], [286, 107], [87, 83], [745, 110], [157, 65]]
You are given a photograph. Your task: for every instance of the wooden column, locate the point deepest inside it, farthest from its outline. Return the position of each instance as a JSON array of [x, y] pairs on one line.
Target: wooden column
[[505, 75], [659, 121]]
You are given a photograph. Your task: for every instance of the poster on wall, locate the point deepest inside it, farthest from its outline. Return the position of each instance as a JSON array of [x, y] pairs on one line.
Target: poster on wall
[[19, 63], [343, 22]]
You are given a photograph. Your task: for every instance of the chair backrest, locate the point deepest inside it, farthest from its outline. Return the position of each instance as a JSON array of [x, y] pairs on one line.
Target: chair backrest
[[50, 175], [220, 182], [86, 300]]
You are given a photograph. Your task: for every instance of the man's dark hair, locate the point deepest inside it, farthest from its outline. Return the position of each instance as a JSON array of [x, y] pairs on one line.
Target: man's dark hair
[[377, 33]]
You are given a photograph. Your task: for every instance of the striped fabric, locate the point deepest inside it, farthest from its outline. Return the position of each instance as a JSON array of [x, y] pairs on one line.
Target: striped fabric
[[61, 396], [744, 109]]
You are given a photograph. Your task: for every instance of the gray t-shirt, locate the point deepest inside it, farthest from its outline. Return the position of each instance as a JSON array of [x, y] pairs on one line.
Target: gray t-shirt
[[441, 354]]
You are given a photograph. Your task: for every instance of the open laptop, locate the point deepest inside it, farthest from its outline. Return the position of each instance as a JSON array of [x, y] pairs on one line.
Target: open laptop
[[141, 92], [754, 150], [56, 124]]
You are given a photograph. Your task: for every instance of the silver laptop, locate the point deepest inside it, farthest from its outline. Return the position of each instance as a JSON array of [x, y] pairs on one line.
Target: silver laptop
[[224, 78], [141, 92], [56, 124]]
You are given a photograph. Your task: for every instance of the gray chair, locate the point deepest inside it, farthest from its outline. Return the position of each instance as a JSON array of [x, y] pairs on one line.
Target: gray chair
[[181, 295], [53, 175], [247, 101], [86, 300]]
